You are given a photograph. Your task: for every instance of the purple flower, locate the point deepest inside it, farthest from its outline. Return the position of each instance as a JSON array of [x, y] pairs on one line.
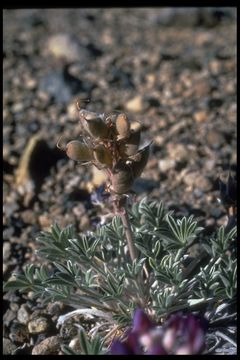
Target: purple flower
[[99, 196], [180, 335], [184, 334], [141, 322]]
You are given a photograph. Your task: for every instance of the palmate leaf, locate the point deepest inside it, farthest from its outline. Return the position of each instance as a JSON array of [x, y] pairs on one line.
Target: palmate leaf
[[182, 231]]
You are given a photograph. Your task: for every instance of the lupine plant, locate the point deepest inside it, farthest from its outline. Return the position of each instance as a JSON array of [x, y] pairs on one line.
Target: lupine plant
[[139, 259]]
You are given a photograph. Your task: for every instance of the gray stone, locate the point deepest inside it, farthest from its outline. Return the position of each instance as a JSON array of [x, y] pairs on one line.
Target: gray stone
[[48, 346], [6, 250], [23, 314], [64, 46], [8, 347]]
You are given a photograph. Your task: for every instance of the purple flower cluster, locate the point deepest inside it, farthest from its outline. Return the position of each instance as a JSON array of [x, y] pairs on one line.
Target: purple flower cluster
[[180, 335]]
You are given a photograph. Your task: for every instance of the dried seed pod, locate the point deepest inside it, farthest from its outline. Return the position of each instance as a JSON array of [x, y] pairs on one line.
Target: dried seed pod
[[122, 178], [94, 124], [122, 126], [103, 155], [130, 146], [140, 160], [78, 151], [97, 128], [89, 115]]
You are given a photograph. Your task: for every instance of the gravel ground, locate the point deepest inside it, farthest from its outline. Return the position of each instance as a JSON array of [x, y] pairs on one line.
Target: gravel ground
[[174, 70]]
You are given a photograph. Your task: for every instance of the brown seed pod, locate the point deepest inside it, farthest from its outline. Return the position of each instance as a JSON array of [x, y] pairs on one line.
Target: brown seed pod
[[140, 160], [122, 126], [103, 155], [97, 128], [78, 151], [122, 178], [130, 146], [94, 124]]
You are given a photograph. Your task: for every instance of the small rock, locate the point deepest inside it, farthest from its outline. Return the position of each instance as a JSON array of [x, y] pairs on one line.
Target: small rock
[[215, 67], [18, 333], [159, 140], [23, 314], [210, 164], [6, 250], [75, 344], [8, 347], [64, 46], [44, 221], [200, 116], [215, 139], [17, 107], [28, 216], [14, 307], [216, 212], [38, 325], [202, 88], [8, 317], [55, 308], [31, 84], [178, 152], [136, 104], [84, 222], [48, 346], [72, 111], [194, 179], [166, 164]]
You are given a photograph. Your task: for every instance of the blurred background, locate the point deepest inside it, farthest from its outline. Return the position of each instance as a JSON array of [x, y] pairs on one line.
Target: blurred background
[[172, 69]]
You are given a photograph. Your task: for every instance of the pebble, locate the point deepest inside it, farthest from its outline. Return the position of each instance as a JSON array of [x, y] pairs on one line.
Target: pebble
[[136, 104], [18, 107], [64, 46], [75, 344], [195, 179], [55, 308], [216, 212], [8, 347], [6, 250], [28, 216], [49, 346], [23, 314], [178, 152], [200, 116], [215, 139], [38, 325], [31, 84], [18, 333], [8, 317], [166, 164]]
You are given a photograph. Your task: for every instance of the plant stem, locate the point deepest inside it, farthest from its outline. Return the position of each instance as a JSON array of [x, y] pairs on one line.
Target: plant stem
[[129, 234]]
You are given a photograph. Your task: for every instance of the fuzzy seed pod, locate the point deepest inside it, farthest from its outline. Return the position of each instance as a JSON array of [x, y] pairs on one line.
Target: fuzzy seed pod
[[78, 151], [130, 146], [122, 126], [103, 155], [122, 178], [140, 160]]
